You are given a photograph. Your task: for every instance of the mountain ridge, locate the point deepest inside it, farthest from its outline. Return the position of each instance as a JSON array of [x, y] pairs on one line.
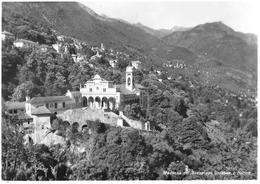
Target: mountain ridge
[[76, 20], [212, 44], [220, 41]]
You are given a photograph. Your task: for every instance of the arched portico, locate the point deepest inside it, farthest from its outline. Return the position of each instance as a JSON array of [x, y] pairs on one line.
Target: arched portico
[[100, 102], [105, 103], [75, 127], [91, 101], [111, 102], [97, 102], [84, 102], [84, 127], [66, 125]]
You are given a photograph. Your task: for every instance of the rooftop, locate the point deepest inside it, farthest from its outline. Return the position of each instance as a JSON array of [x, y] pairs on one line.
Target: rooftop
[[123, 90], [98, 78], [136, 62], [41, 111], [26, 41], [44, 46], [15, 105], [35, 100], [7, 33], [24, 116]]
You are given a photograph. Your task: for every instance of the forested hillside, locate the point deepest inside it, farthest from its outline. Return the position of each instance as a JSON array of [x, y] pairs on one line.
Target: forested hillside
[[203, 114]]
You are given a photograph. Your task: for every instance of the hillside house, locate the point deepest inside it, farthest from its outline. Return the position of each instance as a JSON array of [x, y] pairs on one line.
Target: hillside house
[[53, 103], [7, 36], [41, 118], [113, 63], [81, 57], [179, 65], [57, 47], [94, 49], [97, 56], [21, 43], [102, 47], [61, 38], [74, 57], [14, 108], [136, 64], [44, 48], [16, 111]]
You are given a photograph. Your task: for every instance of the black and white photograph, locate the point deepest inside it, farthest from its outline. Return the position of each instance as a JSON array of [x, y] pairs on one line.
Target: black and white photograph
[[129, 90]]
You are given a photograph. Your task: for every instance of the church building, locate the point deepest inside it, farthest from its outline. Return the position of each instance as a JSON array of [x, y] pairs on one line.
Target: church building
[[102, 94]]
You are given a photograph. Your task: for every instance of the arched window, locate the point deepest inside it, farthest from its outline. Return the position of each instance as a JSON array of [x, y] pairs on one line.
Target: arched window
[[128, 81]]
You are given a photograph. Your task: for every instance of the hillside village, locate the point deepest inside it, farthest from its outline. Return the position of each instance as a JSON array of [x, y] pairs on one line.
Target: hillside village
[[78, 109], [34, 115]]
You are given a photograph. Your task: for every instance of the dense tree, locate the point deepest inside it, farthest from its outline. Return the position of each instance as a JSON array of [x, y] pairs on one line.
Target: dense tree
[[79, 73], [23, 90], [181, 108]]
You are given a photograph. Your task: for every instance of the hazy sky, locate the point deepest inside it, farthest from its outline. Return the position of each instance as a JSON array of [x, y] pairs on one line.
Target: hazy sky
[[240, 15]]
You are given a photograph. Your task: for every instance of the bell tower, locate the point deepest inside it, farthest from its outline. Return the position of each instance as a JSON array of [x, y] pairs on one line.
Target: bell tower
[[129, 78]]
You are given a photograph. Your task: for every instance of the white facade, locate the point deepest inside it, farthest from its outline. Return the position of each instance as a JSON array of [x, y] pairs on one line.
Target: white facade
[[74, 57], [96, 56], [19, 44], [57, 47], [24, 43], [100, 94], [102, 47], [60, 38]]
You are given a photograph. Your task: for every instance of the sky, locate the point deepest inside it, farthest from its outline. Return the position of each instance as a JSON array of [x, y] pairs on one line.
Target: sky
[[240, 15]]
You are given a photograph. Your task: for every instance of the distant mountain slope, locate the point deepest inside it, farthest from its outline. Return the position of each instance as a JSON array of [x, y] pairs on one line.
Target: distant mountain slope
[[220, 41], [76, 20], [160, 33], [179, 28], [157, 33]]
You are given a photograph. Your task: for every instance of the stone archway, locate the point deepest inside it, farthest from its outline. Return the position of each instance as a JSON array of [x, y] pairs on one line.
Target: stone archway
[[111, 102], [91, 102], [84, 127], [66, 125], [84, 101], [97, 102], [104, 103], [75, 127]]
